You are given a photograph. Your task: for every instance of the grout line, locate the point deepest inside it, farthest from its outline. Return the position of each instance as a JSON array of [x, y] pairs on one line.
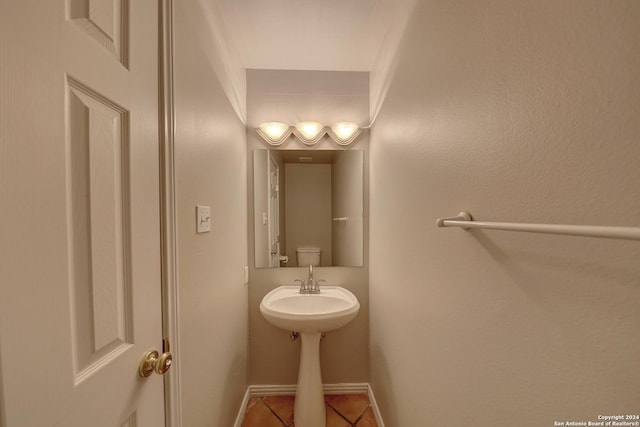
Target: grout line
[[362, 414], [341, 416], [273, 412]]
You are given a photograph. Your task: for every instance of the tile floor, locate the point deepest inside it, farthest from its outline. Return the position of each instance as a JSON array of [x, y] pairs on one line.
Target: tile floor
[[343, 410]]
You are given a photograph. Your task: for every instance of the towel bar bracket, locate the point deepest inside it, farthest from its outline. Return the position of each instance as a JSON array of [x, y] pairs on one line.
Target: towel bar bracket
[[462, 216]]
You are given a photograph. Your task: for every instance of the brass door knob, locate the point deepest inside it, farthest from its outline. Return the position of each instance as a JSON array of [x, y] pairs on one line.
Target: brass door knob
[[152, 361]]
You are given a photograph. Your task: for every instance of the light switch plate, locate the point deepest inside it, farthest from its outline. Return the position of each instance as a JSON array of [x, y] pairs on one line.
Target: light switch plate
[[246, 274], [203, 219]]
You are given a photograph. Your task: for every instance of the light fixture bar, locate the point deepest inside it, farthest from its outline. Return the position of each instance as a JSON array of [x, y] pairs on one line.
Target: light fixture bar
[[309, 132]]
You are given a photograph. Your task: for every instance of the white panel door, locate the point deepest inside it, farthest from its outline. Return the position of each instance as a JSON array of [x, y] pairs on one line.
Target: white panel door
[[79, 213]]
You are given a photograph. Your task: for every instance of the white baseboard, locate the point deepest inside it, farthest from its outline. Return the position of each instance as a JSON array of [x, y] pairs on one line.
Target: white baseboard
[[288, 390], [374, 406], [243, 408]]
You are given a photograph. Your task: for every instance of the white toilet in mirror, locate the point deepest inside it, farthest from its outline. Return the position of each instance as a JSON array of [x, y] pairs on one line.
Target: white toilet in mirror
[[308, 255]]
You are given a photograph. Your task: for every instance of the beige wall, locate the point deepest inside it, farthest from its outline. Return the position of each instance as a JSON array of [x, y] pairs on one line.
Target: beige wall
[[517, 111], [344, 353], [210, 170], [347, 190], [308, 209], [292, 96]]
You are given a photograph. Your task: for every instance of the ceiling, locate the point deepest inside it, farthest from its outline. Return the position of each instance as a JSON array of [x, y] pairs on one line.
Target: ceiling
[[305, 35], [335, 35]]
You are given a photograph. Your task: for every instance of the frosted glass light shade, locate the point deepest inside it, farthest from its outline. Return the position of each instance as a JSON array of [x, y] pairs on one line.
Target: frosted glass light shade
[[344, 132], [309, 132], [274, 132]]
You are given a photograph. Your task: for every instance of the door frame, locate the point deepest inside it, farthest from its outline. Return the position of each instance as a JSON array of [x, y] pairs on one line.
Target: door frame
[[168, 238]]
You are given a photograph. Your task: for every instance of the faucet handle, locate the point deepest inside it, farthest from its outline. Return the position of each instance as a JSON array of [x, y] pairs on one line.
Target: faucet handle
[[316, 286]]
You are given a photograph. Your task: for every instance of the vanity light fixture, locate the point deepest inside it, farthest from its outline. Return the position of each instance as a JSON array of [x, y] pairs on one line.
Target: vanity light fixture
[[343, 133], [309, 132], [274, 132]]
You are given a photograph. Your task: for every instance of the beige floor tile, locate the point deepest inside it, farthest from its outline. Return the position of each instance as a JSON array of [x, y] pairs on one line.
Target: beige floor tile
[[252, 402], [349, 405], [283, 406], [260, 416], [260, 411], [368, 419], [334, 420]]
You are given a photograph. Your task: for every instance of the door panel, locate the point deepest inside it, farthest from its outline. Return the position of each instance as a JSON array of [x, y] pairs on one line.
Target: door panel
[[79, 168], [99, 239], [105, 21]]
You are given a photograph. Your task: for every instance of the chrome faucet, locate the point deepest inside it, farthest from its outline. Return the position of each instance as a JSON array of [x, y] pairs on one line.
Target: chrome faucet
[[311, 286]]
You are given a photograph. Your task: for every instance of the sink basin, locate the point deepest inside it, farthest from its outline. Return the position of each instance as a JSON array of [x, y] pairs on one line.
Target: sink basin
[[309, 314], [286, 308]]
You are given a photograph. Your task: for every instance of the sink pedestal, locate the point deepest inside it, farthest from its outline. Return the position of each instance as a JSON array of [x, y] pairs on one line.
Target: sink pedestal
[[309, 409], [308, 314]]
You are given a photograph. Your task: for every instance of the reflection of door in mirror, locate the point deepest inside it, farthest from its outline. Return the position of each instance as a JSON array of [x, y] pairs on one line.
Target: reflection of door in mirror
[[274, 213], [261, 206]]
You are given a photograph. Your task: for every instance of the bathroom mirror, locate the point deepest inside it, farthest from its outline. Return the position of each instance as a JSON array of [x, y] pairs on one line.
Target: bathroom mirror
[[308, 206]]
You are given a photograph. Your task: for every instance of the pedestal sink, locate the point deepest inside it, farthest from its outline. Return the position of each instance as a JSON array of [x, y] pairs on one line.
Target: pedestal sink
[[310, 315]]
